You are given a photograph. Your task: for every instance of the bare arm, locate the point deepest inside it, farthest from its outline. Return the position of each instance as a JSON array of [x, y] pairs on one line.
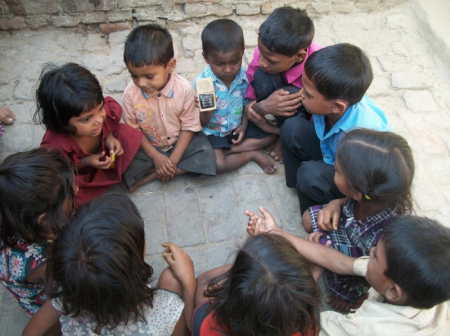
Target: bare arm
[[318, 254], [205, 117], [42, 321], [204, 279]]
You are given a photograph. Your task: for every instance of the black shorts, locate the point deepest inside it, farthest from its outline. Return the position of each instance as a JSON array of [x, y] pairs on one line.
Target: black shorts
[[252, 132]]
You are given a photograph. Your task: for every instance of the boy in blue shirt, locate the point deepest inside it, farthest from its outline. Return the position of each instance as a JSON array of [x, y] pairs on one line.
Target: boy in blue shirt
[[334, 81], [235, 140]]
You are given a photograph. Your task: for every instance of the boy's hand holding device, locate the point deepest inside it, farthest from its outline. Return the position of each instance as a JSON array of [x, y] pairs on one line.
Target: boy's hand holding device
[[280, 104]]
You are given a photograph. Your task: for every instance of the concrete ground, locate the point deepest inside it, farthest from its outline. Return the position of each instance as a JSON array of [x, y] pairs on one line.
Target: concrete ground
[[206, 216]]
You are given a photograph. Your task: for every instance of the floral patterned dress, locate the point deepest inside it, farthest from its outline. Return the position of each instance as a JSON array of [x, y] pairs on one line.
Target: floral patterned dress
[[161, 319], [16, 264]]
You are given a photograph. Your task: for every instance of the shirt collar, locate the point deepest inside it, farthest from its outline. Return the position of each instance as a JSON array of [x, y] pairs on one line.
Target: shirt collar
[[406, 311], [293, 73], [375, 219], [167, 90], [240, 77]]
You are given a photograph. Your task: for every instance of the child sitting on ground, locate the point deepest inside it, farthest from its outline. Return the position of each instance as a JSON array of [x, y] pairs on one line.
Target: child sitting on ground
[[161, 104], [334, 81], [275, 73], [37, 193], [374, 170], [268, 291], [235, 140], [409, 271], [102, 282], [85, 126]]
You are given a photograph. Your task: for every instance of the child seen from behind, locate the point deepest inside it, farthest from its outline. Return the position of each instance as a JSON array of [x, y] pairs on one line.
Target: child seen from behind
[[235, 140], [161, 104], [374, 170], [102, 282], [37, 193], [269, 290], [86, 127], [409, 271]]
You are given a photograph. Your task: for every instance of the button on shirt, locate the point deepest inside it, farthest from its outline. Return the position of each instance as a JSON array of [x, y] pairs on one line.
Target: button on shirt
[[230, 104], [365, 114], [164, 115]]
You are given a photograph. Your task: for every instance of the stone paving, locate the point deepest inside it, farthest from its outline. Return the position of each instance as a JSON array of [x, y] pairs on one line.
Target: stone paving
[[206, 216]]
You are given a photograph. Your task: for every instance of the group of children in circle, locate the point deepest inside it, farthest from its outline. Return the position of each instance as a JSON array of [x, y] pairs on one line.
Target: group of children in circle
[[64, 237]]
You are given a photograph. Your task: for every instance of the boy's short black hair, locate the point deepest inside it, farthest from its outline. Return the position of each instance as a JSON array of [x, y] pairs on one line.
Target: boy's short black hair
[[222, 35], [148, 45], [286, 31], [340, 71], [418, 258], [65, 92]]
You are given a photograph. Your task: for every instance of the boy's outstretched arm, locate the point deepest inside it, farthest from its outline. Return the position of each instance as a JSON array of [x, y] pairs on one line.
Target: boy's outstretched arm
[[318, 254], [43, 321]]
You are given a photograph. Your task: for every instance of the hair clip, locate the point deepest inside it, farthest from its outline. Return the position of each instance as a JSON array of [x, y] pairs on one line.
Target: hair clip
[[367, 197]]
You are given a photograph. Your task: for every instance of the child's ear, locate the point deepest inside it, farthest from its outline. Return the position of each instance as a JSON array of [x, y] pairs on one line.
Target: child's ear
[[41, 219], [300, 56], [357, 196], [339, 106], [171, 65], [205, 57], [395, 294]]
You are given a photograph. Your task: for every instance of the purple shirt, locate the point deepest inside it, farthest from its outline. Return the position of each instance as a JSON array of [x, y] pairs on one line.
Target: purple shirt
[[293, 76]]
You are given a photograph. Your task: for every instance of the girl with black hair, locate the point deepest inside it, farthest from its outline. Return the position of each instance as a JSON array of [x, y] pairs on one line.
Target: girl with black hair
[[374, 170], [37, 193], [102, 281], [269, 290]]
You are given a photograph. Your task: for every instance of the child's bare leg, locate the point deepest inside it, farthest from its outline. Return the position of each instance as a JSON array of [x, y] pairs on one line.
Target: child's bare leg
[[306, 222], [251, 144], [226, 163], [147, 179], [274, 150], [55, 330]]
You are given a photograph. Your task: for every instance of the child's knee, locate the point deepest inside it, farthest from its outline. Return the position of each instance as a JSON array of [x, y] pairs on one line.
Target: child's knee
[[306, 222], [168, 281]]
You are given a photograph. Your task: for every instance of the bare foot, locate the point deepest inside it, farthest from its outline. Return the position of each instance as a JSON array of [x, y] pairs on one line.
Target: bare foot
[[266, 164], [7, 116], [276, 151], [147, 179]]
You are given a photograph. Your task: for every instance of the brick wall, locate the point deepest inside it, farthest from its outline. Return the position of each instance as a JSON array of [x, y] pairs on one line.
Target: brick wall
[[116, 15]]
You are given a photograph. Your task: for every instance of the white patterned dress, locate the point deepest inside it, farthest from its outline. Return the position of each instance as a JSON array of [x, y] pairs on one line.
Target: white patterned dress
[[161, 320]]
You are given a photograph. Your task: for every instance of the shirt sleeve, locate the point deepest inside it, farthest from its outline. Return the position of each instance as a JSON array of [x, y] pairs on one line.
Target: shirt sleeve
[[190, 116], [333, 323], [360, 266], [113, 113], [252, 67], [128, 115]]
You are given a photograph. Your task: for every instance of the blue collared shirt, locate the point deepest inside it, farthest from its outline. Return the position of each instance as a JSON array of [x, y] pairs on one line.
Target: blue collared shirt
[[230, 104], [365, 114]]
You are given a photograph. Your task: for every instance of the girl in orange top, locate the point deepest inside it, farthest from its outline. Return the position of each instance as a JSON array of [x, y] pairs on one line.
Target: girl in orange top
[[268, 291]]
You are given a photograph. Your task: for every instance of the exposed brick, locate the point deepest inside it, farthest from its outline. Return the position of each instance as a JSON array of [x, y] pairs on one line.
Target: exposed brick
[[195, 10], [248, 9], [220, 10], [300, 5], [138, 3], [269, 7], [35, 22], [93, 17], [118, 15], [19, 10], [321, 7], [14, 23], [4, 9], [66, 20], [33, 7], [107, 28]]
